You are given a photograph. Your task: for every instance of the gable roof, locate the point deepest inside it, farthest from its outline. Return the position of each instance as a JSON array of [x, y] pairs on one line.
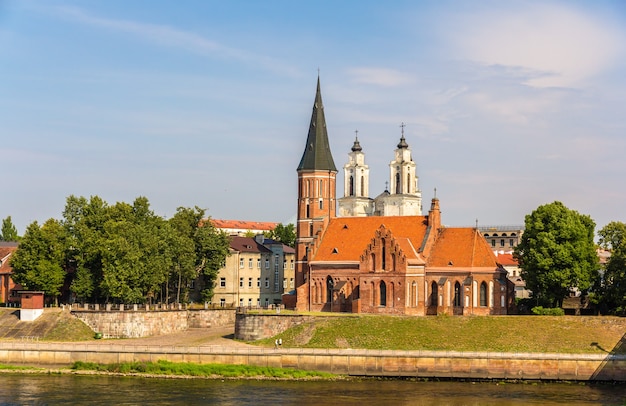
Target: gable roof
[[248, 244], [346, 238], [461, 247], [507, 259], [6, 249]]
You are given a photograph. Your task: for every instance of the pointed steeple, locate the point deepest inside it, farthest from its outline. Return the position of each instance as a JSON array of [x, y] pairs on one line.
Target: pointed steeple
[[317, 155]]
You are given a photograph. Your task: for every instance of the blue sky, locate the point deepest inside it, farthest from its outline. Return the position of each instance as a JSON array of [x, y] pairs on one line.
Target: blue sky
[[507, 105]]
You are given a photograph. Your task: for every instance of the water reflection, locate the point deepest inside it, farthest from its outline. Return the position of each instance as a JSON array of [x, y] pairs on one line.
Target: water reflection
[[90, 390]]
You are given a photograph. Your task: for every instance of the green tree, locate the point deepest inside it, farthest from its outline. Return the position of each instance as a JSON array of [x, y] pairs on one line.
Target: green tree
[[612, 289], [8, 232], [284, 233], [38, 262], [557, 253], [84, 222], [136, 260]]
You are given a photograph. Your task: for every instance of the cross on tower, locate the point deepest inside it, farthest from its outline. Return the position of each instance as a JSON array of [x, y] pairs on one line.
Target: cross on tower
[[402, 127]]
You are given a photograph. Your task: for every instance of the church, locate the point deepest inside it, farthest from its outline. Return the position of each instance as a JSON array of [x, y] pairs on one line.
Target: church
[[382, 255]]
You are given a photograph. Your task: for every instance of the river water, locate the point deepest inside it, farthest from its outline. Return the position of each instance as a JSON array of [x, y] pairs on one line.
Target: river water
[[107, 390]]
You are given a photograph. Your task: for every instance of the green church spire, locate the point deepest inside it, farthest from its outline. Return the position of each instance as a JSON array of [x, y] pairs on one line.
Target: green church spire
[[317, 154]]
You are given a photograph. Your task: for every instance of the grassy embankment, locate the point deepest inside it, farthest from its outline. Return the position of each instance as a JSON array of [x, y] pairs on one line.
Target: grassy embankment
[[548, 334]]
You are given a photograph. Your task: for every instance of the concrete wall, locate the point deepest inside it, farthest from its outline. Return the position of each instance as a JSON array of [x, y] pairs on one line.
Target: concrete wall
[[134, 324], [420, 364]]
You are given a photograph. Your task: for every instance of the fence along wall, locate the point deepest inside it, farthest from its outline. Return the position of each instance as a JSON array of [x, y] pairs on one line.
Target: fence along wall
[[420, 364], [140, 323]]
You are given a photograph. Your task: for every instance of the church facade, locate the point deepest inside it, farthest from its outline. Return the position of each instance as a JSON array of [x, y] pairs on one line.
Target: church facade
[[382, 255]]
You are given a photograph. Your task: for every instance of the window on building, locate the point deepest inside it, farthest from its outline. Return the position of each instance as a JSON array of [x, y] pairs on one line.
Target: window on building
[[241, 302], [249, 302], [291, 264], [267, 302], [321, 204], [276, 262], [383, 294], [267, 283], [249, 282], [241, 282], [240, 262], [258, 282], [493, 243], [284, 283], [483, 294], [258, 263], [284, 264], [250, 263], [511, 242], [457, 294], [291, 282], [267, 263], [434, 293], [502, 243], [222, 302], [222, 282], [276, 280]]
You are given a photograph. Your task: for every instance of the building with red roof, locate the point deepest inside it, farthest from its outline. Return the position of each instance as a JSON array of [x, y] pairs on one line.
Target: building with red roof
[[8, 288], [374, 262]]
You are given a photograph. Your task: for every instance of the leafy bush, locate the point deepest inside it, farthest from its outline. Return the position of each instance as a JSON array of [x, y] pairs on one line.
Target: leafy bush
[[547, 311]]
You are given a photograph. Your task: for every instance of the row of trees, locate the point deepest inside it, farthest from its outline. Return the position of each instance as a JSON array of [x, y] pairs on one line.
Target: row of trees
[[120, 253], [557, 254]]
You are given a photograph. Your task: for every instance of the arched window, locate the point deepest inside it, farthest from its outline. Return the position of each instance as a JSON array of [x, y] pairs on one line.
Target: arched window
[[372, 262], [483, 294], [434, 293], [383, 255], [397, 182], [457, 294], [362, 191], [408, 183], [308, 210], [329, 289], [351, 191], [383, 293], [321, 191]]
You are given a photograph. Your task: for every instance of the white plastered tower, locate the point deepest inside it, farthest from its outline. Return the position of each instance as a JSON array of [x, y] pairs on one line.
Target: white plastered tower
[[356, 185]]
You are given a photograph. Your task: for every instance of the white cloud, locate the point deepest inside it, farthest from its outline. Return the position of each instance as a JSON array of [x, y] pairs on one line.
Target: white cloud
[[165, 35], [556, 45]]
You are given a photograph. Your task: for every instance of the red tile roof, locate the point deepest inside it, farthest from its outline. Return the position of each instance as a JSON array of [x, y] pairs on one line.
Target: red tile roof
[[244, 225], [346, 238], [247, 244], [506, 260], [461, 247], [6, 249]]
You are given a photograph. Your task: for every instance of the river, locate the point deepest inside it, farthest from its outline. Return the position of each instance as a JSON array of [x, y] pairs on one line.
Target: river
[[107, 390]]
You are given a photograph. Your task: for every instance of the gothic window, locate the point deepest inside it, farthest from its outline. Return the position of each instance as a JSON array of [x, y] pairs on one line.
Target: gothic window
[[351, 191], [372, 262], [457, 294], [384, 255], [308, 210], [408, 183], [483, 294], [362, 191], [321, 191], [321, 204], [329, 289], [434, 293], [397, 182], [383, 294]]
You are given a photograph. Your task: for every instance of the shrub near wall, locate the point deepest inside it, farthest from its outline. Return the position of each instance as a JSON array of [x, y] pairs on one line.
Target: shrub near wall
[[541, 311]]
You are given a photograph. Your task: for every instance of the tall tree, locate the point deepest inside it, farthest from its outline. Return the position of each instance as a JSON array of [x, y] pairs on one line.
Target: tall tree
[[613, 286], [8, 231], [284, 233], [39, 261], [557, 253]]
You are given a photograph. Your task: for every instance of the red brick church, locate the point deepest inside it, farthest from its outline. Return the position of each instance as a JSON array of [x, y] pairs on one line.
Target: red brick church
[[382, 255]]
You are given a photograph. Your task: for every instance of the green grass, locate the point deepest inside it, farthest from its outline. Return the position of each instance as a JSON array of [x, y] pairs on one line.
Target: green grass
[[69, 328], [446, 333], [17, 368], [200, 370]]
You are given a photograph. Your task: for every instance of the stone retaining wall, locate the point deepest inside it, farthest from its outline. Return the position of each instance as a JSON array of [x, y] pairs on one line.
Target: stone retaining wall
[[135, 324], [419, 364], [251, 327]]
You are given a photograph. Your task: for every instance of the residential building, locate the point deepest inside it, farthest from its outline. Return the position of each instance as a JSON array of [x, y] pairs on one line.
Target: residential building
[[243, 228], [502, 238], [8, 288]]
